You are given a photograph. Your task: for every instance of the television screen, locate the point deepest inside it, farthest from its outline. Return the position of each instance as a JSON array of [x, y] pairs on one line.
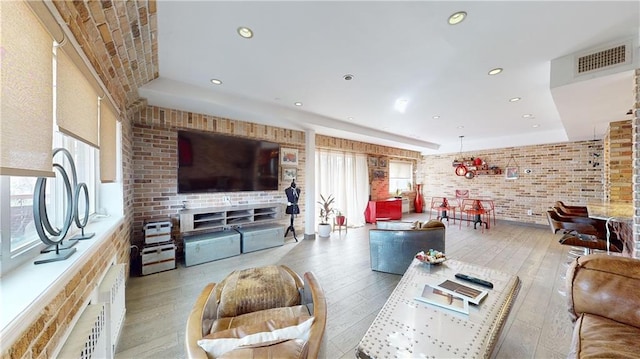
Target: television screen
[[211, 162]]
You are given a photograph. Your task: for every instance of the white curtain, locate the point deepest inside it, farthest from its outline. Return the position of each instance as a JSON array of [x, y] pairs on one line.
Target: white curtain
[[345, 176]]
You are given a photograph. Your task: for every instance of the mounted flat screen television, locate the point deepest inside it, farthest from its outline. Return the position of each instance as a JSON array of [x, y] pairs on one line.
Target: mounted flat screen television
[[211, 162]]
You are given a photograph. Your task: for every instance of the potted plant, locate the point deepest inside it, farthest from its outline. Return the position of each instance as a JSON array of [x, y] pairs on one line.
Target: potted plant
[[340, 218], [326, 209]]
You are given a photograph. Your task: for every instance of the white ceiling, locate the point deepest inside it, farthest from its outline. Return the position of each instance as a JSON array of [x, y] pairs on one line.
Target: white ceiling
[[302, 50]]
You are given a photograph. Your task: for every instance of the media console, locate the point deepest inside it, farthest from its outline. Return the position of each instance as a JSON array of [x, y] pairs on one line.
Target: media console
[[219, 232]]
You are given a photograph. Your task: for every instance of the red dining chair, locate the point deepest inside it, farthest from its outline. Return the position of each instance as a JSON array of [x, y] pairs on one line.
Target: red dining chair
[[461, 194], [474, 212], [443, 207]]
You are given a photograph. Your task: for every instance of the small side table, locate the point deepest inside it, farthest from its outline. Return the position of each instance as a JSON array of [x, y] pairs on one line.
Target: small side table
[[340, 226]]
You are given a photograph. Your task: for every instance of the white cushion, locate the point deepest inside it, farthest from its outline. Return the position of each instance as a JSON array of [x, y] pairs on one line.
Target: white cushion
[[217, 347]]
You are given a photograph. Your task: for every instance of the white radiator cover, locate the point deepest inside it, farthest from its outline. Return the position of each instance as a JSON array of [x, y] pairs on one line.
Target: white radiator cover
[[88, 339], [111, 292]]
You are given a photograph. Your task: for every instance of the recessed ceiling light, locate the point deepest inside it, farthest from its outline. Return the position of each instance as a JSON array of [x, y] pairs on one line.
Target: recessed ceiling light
[[245, 32], [436, 117], [535, 126], [515, 99], [348, 77], [350, 118], [216, 82], [457, 17], [401, 105], [495, 71], [298, 103], [527, 115], [460, 127]]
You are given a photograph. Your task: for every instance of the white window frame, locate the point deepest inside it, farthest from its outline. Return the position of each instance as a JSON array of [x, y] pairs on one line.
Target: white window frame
[[11, 258]]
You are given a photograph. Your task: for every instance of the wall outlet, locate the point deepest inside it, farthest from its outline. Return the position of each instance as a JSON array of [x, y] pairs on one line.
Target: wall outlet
[[530, 212]]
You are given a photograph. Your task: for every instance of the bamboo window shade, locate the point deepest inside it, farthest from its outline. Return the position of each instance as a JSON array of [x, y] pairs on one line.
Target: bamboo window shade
[[107, 143], [77, 102], [26, 110]]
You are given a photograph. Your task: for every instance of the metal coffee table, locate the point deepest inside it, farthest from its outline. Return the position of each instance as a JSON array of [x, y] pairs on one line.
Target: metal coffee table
[[407, 328]]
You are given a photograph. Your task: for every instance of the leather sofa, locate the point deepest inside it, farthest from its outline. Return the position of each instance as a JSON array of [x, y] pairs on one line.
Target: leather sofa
[[265, 312], [392, 250], [603, 294]]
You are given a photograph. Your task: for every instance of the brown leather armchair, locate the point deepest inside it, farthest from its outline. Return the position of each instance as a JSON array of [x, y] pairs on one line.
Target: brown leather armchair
[[305, 300], [603, 294]]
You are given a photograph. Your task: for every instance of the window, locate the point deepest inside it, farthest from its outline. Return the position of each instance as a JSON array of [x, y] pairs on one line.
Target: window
[[24, 242], [400, 176], [19, 241], [22, 231]]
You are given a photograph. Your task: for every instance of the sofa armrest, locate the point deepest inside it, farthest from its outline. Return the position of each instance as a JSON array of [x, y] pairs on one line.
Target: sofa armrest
[[607, 286], [317, 308], [194, 331]]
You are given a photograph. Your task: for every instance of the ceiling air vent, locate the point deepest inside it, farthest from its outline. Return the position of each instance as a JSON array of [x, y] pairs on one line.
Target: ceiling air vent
[[601, 59]]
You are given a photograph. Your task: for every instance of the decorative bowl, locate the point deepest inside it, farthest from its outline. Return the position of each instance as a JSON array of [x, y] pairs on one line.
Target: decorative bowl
[[431, 257]]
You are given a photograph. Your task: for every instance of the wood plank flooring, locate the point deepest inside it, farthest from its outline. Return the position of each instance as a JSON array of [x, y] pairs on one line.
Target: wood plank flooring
[[538, 326]]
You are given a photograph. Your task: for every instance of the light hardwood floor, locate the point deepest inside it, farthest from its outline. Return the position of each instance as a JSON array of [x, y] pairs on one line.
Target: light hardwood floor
[[538, 326]]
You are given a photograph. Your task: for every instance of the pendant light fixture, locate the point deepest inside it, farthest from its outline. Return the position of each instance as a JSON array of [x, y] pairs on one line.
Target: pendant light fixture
[[461, 169]]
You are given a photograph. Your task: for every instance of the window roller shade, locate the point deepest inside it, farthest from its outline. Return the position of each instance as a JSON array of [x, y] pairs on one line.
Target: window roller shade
[[400, 170], [77, 102], [107, 143], [26, 111]]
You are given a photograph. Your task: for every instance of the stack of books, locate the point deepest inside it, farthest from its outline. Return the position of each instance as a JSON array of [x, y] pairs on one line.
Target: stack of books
[[452, 295]]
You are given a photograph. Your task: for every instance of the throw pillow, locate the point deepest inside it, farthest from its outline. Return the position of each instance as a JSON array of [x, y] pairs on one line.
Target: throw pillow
[[219, 346], [254, 289], [434, 223], [268, 325]]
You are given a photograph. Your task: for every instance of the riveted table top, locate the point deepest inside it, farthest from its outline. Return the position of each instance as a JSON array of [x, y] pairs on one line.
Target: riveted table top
[[407, 328]]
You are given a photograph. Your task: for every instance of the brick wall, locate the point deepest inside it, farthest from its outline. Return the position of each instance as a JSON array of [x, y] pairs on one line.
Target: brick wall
[[558, 172], [155, 164], [618, 162], [636, 161], [119, 39]]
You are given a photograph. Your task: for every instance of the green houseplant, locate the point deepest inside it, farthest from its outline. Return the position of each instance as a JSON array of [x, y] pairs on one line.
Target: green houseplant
[[326, 210]]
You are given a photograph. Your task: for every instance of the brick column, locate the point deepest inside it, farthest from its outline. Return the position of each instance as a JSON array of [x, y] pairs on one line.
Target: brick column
[[618, 163], [636, 163]]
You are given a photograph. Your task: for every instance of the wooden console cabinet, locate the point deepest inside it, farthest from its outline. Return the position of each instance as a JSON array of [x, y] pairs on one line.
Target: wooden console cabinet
[[387, 209], [218, 218]]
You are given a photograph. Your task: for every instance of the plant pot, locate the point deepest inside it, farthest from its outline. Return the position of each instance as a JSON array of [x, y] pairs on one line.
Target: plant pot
[[324, 230], [340, 220]]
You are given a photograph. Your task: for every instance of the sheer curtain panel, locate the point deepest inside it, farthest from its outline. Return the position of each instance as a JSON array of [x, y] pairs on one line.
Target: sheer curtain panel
[[26, 74], [345, 176]]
